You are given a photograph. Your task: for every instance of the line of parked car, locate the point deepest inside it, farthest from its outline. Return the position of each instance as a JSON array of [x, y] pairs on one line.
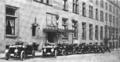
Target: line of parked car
[[22, 50]]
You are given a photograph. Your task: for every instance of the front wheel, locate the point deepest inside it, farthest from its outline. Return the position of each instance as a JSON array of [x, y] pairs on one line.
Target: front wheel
[[22, 55], [55, 53], [7, 56], [64, 52]]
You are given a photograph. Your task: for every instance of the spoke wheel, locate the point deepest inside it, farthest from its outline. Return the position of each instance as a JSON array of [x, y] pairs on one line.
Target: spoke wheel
[[33, 53], [22, 56], [7, 56]]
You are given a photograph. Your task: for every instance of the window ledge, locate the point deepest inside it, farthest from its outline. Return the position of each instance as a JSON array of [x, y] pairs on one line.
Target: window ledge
[[11, 36]]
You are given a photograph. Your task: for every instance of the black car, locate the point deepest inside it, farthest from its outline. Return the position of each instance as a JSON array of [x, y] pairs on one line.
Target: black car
[[80, 48], [49, 50], [20, 50], [61, 49]]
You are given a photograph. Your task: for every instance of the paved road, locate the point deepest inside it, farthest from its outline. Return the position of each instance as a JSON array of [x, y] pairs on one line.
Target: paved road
[[114, 56]]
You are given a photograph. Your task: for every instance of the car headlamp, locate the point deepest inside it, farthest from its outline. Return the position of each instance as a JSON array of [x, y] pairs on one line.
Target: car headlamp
[[52, 50], [6, 50], [16, 50], [44, 50]]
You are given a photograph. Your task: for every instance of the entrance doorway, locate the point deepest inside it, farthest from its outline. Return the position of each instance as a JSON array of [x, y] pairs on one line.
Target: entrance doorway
[[51, 36]]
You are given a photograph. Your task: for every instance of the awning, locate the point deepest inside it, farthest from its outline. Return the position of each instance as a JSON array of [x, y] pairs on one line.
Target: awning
[[60, 30]]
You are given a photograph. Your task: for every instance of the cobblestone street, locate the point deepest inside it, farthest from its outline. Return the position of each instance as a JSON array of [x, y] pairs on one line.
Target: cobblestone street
[[114, 56]]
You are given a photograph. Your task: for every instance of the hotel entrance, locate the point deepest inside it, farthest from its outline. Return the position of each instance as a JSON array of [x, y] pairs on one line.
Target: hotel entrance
[[52, 37]]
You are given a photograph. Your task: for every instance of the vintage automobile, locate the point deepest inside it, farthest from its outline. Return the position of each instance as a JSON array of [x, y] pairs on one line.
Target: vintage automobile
[[80, 48], [49, 50], [19, 50], [107, 49], [61, 49]]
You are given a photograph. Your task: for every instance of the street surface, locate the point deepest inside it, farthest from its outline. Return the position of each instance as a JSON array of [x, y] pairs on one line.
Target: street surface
[[114, 56]]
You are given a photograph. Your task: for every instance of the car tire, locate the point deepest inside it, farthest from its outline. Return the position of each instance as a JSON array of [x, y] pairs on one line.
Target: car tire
[[64, 53], [7, 56], [22, 55], [33, 53], [55, 53]]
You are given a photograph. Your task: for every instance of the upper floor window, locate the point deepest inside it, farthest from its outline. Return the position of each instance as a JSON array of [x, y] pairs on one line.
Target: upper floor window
[[113, 10], [11, 20], [106, 16], [47, 2], [65, 5], [110, 8], [96, 32], [83, 30], [90, 11], [102, 3], [90, 31], [83, 9], [116, 11], [110, 17], [74, 27], [75, 6], [96, 2], [101, 16], [106, 6], [101, 33], [51, 19], [64, 25], [96, 14]]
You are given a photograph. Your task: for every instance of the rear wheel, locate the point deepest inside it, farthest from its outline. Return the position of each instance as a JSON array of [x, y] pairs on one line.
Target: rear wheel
[[33, 53], [22, 55], [64, 52], [7, 56]]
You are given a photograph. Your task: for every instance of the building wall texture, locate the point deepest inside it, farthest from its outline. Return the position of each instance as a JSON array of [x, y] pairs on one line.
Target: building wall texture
[[30, 11]]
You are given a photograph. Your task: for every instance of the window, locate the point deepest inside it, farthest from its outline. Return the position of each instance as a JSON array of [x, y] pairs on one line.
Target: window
[[96, 32], [83, 30], [106, 16], [110, 17], [102, 3], [113, 19], [65, 5], [113, 10], [101, 33], [96, 14], [74, 26], [51, 19], [106, 6], [11, 16], [34, 30], [110, 8], [101, 16], [90, 11], [116, 11], [91, 0], [84, 9], [96, 2], [47, 2], [90, 31], [75, 6], [64, 25]]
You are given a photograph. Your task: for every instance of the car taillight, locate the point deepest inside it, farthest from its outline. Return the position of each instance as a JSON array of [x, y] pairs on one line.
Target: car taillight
[[52, 50]]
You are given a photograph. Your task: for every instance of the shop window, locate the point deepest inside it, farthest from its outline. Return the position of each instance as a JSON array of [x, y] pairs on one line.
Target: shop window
[[91, 32], [64, 25], [74, 26]]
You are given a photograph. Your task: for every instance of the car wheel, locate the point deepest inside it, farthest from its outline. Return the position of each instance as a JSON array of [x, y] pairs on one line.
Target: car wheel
[[22, 55], [64, 52], [33, 53], [7, 56], [55, 53]]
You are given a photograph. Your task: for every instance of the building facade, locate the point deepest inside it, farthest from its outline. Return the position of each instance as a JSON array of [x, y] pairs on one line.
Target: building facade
[[59, 21]]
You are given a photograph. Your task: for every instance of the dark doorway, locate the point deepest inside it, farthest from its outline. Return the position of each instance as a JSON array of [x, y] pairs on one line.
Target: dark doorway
[[51, 37]]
